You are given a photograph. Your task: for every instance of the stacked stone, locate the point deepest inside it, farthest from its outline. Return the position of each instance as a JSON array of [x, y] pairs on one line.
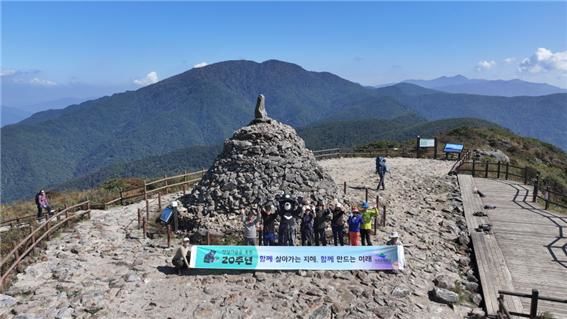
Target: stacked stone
[[261, 160]]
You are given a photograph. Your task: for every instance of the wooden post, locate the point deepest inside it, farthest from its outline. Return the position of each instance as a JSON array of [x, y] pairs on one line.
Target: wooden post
[[184, 188], [435, 149], [168, 235], [525, 175], [47, 229], [417, 147], [344, 188], [121, 198], [547, 198], [66, 218], [376, 216], [536, 188], [507, 169], [139, 218], [533, 305], [147, 209], [159, 201], [473, 166], [366, 194], [384, 216], [145, 192], [144, 226], [486, 170], [166, 185], [498, 170]]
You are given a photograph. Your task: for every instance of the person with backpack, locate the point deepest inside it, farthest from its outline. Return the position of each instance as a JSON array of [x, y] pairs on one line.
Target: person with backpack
[[337, 224], [307, 226], [268, 221], [368, 215], [354, 222], [42, 203], [320, 223], [381, 169]]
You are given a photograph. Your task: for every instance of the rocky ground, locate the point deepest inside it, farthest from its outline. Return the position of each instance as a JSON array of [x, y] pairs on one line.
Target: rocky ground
[[103, 269]]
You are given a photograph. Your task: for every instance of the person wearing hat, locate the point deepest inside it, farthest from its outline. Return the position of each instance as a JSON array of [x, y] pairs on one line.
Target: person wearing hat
[[182, 256], [394, 239], [354, 222], [368, 215], [338, 224]]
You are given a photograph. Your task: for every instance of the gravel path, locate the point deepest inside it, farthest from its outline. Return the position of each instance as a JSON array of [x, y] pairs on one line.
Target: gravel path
[[102, 269]]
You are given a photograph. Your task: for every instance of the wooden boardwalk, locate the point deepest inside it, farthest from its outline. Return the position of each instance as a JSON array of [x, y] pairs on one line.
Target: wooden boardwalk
[[526, 248]]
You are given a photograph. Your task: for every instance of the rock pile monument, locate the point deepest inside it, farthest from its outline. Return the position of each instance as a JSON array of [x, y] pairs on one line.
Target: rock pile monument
[[258, 162]]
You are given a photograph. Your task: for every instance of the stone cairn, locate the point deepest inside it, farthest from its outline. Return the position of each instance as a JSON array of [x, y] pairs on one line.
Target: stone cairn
[[258, 162]]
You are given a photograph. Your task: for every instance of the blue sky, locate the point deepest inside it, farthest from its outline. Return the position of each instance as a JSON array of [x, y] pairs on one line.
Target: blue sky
[[109, 45]]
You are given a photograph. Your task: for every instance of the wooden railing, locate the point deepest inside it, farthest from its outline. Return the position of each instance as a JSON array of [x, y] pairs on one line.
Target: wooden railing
[[525, 174], [503, 313], [61, 219]]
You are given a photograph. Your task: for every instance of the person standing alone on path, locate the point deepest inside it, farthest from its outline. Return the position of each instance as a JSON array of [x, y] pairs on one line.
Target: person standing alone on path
[[367, 217], [381, 169], [42, 203]]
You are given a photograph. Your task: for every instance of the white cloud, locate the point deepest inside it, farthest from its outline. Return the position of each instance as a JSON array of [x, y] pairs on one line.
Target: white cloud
[[543, 60], [150, 78], [509, 60], [485, 65], [7, 72], [41, 82], [200, 65]]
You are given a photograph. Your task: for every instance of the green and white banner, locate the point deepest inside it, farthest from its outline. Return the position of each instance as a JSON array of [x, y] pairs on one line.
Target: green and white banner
[[298, 257]]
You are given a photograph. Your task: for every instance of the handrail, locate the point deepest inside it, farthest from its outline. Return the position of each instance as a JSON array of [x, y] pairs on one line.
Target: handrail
[[36, 232], [33, 233], [535, 298]]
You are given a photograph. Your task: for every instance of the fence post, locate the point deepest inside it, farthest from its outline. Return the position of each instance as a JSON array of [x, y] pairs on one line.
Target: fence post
[[547, 198], [384, 216], [139, 218], [536, 188], [47, 229], [486, 170], [473, 166], [435, 149], [417, 147], [144, 226], [366, 194], [66, 218], [533, 305], [498, 170], [145, 191], [166, 184], [507, 169], [344, 188], [168, 235], [376, 216], [159, 201], [147, 209], [525, 175]]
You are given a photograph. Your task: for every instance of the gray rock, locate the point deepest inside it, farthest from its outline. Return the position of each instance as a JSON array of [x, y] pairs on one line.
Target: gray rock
[[476, 299], [444, 296], [400, 292], [322, 312], [260, 111], [464, 239], [6, 301], [445, 282], [471, 286]]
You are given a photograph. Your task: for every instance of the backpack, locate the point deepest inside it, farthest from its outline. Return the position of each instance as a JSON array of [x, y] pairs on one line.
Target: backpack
[[380, 165]]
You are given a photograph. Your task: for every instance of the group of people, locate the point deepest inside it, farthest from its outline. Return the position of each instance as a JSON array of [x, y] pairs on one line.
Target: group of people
[[313, 219]]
